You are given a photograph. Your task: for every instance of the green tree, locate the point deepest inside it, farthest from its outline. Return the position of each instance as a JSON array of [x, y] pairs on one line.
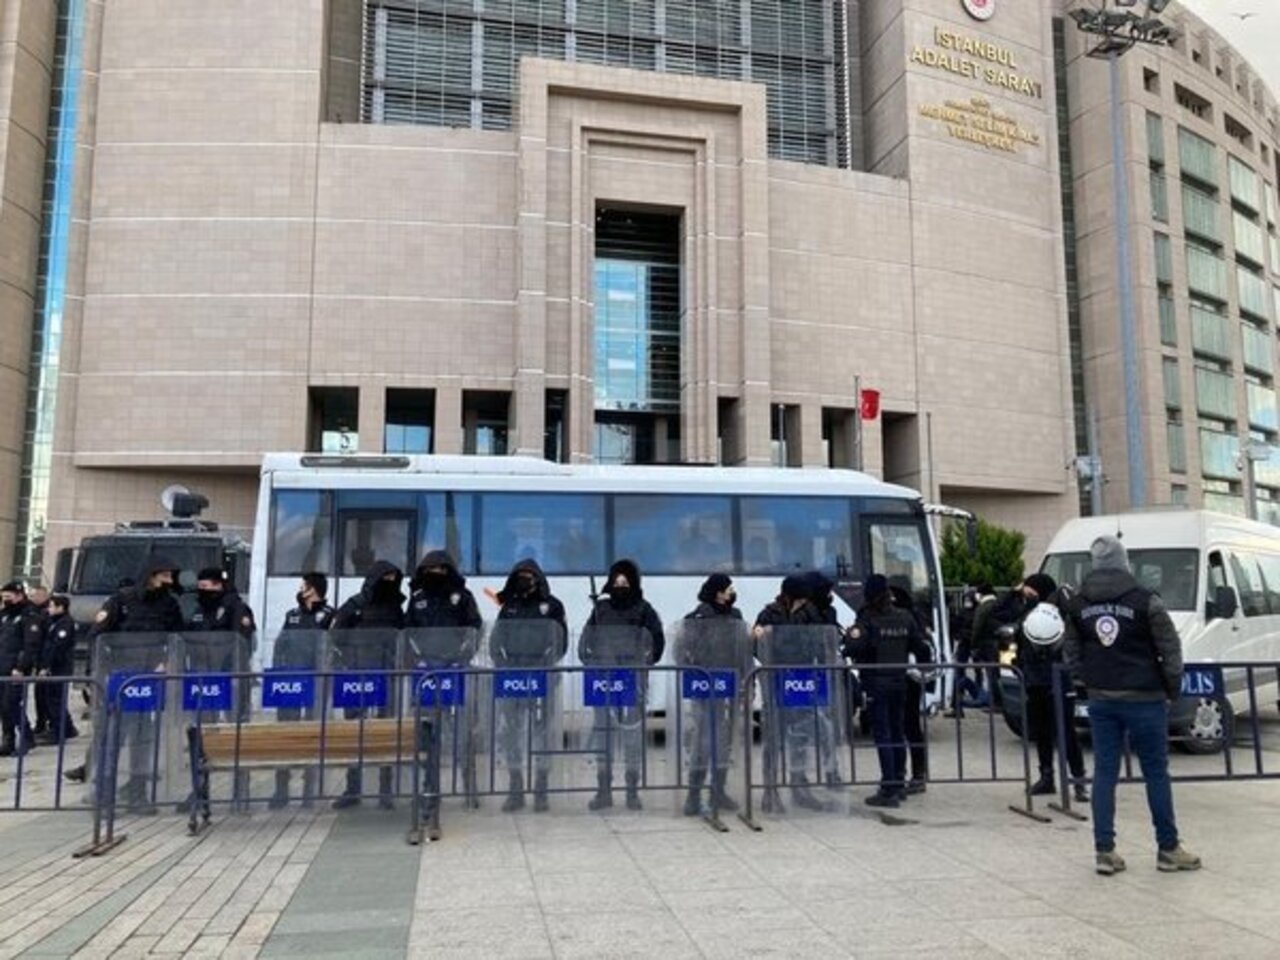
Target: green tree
[[996, 559]]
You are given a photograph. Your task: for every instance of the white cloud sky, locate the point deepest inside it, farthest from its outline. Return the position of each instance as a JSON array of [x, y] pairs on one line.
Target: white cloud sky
[[1257, 37]]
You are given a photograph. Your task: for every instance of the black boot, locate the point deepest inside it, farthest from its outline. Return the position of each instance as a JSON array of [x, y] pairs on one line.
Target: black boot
[[633, 791], [1080, 793], [803, 797], [1044, 786], [351, 795], [385, 789], [515, 793], [604, 791], [723, 800], [7, 747], [280, 798], [76, 774], [540, 801], [693, 802]]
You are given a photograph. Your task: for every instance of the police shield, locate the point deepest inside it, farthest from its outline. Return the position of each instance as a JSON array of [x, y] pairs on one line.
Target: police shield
[[803, 713], [360, 703], [615, 687], [526, 706], [291, 693], [447, 700], [715, 655], [207, 690], [134, 755]]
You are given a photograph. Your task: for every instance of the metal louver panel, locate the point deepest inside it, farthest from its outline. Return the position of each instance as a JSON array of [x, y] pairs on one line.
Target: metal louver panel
[[456, 62]]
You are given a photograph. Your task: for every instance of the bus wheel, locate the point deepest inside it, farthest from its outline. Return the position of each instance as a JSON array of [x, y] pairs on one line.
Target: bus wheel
[[1210, 728]]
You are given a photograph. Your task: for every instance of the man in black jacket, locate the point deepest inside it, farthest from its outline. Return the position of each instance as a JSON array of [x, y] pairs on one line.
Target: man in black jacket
[[623, 630], [714, 638], [298, 647], [530, 634], [57, 659], [364, 634], [1123, 648], [21, 635], [885, 634]]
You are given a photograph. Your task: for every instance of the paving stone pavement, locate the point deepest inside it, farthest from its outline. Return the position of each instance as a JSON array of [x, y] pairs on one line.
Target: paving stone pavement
[[963, 877]]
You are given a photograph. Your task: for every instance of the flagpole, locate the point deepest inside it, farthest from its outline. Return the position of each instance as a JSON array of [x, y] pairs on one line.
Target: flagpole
[[857, 419]]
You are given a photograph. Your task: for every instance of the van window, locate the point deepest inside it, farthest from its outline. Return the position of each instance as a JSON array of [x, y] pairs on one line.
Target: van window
[[1270, 565], [1253, 595], [1173, 574]]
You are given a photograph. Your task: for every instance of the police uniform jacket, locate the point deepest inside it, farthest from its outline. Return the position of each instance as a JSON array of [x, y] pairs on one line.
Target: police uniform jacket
[[58, 653], [888, 636], [21, 636], [1120, 642]]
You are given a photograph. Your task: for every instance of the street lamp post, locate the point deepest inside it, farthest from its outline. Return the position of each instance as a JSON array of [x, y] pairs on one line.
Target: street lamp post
[[1119, 29]]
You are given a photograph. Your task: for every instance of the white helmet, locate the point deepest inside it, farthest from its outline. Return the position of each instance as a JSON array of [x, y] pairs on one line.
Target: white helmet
[[1044, 625]]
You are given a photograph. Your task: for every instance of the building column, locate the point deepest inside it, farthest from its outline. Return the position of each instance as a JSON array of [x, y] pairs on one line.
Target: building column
[[448, 425]]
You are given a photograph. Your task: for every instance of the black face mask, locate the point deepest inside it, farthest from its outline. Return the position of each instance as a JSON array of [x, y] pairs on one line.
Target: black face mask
[[208, 598], [526, 585], [436, 584], [302, 600], [730, 600], [620, 596], [387, 592]]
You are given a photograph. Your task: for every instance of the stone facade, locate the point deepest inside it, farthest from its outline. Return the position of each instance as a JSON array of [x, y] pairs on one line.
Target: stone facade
[[243, 247], [1198, 85]]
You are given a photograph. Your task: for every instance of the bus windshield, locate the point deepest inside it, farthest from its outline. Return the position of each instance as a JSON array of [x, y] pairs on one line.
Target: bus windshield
[[1173, 573], [106, 564]]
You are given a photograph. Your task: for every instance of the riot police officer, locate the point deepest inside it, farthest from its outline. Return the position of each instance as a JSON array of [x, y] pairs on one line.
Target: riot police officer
[[21, 635], [377, 611], [129, 634], [623, 629], [298, 646], [530, 632], [712, 636]]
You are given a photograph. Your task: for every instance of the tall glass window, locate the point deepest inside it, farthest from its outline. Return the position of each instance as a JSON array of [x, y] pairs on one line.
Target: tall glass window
[[51, 281], [456, 62]]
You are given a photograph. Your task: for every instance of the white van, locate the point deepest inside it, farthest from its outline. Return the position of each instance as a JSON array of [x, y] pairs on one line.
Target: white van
[[1219, 576]]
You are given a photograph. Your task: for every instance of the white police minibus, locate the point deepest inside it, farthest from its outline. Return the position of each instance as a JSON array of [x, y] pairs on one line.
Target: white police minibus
[[338, 514], [1219, 576]]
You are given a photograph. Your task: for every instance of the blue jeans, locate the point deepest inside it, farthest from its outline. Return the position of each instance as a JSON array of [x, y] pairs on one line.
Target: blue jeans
[[1147, 724], [887, 709]]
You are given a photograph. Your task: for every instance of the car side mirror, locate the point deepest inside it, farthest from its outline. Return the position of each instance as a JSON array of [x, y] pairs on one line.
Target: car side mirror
[[1223, 605]]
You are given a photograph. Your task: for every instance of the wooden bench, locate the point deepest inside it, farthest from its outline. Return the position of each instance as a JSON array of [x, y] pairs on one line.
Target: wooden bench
[[298, 743], [226, 746]]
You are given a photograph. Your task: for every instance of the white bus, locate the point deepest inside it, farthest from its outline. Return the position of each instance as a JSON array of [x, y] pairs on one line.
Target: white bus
[[338, 514]]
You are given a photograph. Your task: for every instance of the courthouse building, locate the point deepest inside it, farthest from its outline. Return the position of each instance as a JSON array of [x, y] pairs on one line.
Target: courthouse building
[[618, 231]]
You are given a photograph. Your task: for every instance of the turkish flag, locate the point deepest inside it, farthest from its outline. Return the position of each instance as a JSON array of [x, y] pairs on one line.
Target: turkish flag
[[870, 404]]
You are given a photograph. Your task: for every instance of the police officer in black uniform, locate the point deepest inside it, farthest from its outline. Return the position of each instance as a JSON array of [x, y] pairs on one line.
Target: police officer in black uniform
[[151, 608], [441, 601], [530, 632], [21, 635], [298, 647], [379, 606], [623, 615], [707, 636], [885, 634], [1036, 665], [57, 659]]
